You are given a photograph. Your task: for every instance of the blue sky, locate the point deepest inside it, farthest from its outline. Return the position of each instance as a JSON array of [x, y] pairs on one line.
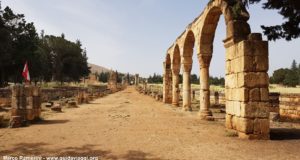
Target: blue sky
[[133, 35]]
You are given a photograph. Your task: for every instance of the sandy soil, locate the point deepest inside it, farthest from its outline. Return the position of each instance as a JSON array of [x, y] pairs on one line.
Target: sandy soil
[[130, 126]]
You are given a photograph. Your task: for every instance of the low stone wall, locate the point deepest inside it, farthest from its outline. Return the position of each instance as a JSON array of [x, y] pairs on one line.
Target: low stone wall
[[289, 106], [51, 94], [60, 92], [274, 102], [5, 100]]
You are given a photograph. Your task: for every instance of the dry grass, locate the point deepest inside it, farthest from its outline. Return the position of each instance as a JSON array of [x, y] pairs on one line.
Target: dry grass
[[282, 89]]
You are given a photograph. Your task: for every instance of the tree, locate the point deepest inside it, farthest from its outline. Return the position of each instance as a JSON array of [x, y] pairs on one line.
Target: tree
[[194, 79], [294, 66], [5, 50], [291, 79], [279, 75], [288, 9], [23, 43]]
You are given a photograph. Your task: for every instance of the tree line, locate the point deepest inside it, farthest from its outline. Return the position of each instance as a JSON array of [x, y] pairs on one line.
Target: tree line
[[287, 76], [49, 57], [194, 79]]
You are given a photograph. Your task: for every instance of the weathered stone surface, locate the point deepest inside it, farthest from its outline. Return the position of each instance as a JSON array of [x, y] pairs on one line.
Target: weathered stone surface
[[56, 107], [253, 79], [255, 109], [254, 95], [228, 121], [264, 94], [261, 126], [245, 125], [72, 104]]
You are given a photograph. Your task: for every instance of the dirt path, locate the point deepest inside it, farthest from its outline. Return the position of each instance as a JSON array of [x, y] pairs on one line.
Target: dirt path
[[130, 126]]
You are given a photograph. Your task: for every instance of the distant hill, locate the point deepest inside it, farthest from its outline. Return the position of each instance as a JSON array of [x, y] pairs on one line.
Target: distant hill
[[98, 69]]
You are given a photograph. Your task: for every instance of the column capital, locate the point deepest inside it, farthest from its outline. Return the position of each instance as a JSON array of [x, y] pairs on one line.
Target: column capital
[[175, 68], [187, 67], [204, 60]]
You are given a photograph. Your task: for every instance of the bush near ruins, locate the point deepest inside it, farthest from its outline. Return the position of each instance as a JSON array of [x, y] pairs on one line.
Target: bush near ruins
[[49, 57]]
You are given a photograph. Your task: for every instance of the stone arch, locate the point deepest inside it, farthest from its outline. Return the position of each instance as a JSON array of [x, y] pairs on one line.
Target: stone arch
[[188, 47], [246, 68], [187, 63]]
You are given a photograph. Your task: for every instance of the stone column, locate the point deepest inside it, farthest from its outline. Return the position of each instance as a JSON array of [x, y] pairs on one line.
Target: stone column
[[18, 107], [137, 79], [246, 87], [167, 84], [204, 61], [175, 87], [37, 102], [217, 98], [186, 93]]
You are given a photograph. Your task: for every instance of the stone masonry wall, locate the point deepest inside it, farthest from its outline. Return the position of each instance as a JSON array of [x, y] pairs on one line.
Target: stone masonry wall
[[289, 106], [247, 94], [5, 100]]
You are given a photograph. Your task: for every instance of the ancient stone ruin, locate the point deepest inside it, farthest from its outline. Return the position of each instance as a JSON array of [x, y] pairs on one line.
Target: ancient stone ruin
[[25, 105], [112, 82], [137, 79], [246, 69]]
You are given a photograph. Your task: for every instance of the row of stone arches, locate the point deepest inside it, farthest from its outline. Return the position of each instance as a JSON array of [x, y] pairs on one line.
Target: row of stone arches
[[246, 69]]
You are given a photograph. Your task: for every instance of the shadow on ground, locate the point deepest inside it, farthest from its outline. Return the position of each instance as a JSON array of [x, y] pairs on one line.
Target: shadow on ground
[[49, 122], [284, 134], [39, 149]]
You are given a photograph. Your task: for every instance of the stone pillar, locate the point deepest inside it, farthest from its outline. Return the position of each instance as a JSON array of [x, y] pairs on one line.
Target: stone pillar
[[186, 91], [246, 87], [29, 103], [137, 79], [37, 102], [175, 87], [204, 61], [18, 107], [167, 84], [216, 98]]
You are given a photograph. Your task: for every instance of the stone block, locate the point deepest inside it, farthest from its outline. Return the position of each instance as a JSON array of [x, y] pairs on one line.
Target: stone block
[[245, 125], [28, 91], [237, 29], [261, 126], [15, 122], [229, 107], [37, 102], [253, 80], [255, 109], [243, 64], [14, 102], [261, 63], [17, 90], [231, 53], [228, 121], [30, 114], [255, 37], [254, 48], [231, 81], [237, 108], [239, 94], [264, 94], [29, 102], [254, 95], [253, 136], [36, 91], [72, 104], [234, 122], [228, 68]]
